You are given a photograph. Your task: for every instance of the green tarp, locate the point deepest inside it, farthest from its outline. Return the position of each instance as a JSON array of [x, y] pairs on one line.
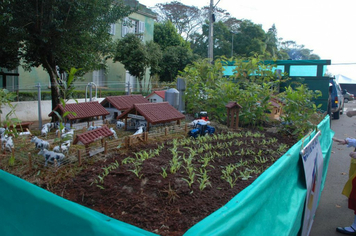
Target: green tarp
[[272, 205]]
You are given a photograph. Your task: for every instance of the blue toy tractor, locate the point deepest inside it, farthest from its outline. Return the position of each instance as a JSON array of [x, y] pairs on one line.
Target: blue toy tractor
[[201, 128]]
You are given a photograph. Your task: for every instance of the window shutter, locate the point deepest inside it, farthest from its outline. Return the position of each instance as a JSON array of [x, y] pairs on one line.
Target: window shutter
[[112, 29], [141, 27], [124, 30]]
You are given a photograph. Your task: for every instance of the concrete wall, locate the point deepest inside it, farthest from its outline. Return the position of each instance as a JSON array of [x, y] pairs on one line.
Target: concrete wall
[[28, 111]]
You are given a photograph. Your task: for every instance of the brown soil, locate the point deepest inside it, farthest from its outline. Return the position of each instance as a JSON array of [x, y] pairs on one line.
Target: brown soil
[[169, 206]]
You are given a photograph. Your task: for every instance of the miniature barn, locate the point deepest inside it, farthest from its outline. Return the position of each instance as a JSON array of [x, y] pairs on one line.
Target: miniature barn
[[83, 111], [118, 104], [91, 136], [154, 113]]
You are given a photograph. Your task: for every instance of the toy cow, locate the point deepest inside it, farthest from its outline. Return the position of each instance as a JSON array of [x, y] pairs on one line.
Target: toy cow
[[39, 143], [51, 156]]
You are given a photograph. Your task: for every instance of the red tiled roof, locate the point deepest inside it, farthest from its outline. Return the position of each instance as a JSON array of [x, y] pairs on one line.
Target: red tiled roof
[[155, 113], [93, 135], [82, 110], [233, 104], [123, 102], [161, 93]]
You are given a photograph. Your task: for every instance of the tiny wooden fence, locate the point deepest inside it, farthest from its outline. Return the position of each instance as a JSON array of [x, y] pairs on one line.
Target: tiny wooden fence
[[98, 150]]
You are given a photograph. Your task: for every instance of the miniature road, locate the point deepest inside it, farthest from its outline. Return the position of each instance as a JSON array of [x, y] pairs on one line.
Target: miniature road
[[332, 211]]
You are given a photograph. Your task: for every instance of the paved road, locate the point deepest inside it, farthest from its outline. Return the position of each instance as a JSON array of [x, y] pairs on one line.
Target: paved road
[[332, 211]]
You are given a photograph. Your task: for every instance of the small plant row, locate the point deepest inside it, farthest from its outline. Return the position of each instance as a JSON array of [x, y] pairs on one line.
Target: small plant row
[[195, 157]]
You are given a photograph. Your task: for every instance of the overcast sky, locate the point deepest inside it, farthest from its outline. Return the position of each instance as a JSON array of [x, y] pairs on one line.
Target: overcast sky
[[325, 26]]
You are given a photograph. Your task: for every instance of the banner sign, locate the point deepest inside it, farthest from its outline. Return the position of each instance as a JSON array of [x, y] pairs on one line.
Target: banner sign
[[312, 158]]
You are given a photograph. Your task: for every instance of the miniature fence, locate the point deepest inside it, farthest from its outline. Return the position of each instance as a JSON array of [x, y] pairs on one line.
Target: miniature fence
[[77, 153]]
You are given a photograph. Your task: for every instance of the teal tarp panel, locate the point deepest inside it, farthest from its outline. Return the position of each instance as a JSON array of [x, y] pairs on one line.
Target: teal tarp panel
[[27, 210], [273, 204]]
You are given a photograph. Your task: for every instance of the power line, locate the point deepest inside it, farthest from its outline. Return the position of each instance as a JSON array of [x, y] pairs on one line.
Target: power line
[[345, 63]]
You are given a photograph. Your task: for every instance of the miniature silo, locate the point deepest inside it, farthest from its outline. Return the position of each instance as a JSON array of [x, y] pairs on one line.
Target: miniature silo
[[172, 97]]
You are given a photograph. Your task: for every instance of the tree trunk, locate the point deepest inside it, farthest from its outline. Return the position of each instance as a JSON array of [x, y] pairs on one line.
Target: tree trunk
[[51, 69]]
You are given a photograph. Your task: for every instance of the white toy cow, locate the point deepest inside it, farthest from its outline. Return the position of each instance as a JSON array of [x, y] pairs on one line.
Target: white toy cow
[[51, 157], [39, 143]]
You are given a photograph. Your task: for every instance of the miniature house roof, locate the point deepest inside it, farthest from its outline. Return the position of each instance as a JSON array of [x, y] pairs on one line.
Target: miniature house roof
[[276, 102], [155, 113], [82, 110], [160, 93], [233, 105], [93, 135], [123, 102]]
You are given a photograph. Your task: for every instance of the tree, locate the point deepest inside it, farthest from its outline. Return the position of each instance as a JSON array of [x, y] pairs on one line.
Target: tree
[[176, 51], [64, 34], [137, 56], [175, 58], [10, 42], [186, 19], [298, 52]]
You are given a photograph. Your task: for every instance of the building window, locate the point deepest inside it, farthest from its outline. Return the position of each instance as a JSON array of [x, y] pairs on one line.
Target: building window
[[131, 26]]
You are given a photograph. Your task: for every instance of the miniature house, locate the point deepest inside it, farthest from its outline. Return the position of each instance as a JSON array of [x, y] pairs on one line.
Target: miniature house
[[156, 96], [79, 111], [276, 109], [118, 104], [154, 113], [233, 109]]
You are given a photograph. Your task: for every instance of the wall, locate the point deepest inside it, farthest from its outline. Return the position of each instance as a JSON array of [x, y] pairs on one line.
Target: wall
[[28, 111]]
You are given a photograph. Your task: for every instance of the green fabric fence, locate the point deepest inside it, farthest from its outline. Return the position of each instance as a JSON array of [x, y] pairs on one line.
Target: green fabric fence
[[272, 205]]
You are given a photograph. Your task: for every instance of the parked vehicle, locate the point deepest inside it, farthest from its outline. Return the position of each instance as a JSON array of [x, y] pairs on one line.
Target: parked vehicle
[[337, 99], [347, 96]]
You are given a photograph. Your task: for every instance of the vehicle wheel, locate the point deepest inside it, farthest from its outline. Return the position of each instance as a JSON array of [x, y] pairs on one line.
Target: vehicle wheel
[[342, 109], [336, 115], [346, 100]]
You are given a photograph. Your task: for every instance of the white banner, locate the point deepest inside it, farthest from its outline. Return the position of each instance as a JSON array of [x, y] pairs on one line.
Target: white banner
[[312, 157]]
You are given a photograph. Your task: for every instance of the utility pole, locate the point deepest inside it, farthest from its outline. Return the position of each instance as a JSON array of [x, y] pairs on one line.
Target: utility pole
[[211, 31]]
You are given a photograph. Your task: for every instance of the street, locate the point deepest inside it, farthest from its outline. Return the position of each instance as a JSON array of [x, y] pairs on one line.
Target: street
[[333, 211]]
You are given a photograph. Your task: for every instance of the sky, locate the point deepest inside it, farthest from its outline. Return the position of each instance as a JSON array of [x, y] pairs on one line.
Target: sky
[[325, 26]]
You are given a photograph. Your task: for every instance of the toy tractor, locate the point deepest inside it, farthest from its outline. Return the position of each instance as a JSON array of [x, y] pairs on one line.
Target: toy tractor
[[201, 128]]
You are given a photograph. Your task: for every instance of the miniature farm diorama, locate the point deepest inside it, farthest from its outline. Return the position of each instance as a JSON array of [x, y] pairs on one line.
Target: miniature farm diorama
[[154, 168]]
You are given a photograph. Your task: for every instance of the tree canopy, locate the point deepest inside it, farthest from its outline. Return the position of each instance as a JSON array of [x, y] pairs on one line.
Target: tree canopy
[[137, 56], [62, 34]]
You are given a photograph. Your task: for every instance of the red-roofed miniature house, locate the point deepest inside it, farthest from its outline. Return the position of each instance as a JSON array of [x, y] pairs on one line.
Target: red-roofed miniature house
[[82, 110], [156, 96], [118, 104], [154, 113], [233, 109]]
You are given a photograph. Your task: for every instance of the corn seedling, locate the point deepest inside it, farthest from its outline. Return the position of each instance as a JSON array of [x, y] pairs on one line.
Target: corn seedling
[[137, 170], [164, 172], [191, 175], [203, 179], [246, 174], [282, 148], [128, 160]]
